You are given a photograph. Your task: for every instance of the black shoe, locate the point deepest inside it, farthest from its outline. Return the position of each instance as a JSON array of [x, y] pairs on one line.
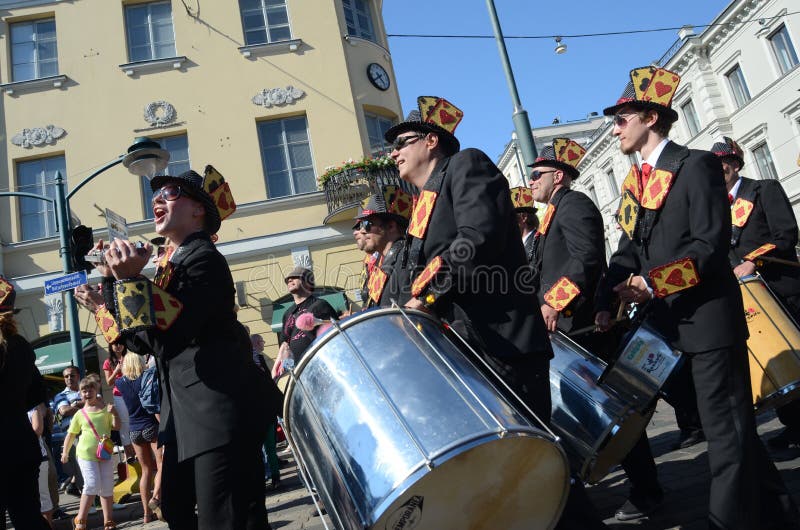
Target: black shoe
[[72, 489], [635, 510], [688, 439], [784, 439], [275, 485]]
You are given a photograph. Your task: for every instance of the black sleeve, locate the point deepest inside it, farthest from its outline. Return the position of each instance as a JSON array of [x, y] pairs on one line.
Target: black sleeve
[[780, 217]]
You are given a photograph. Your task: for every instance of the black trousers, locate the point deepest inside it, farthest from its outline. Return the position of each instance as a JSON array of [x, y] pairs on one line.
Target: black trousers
[[19, 494], [226, 484], [747, 492]]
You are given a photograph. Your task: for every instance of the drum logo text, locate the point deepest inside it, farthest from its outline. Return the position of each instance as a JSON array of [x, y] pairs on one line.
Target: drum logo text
[[406, 516]]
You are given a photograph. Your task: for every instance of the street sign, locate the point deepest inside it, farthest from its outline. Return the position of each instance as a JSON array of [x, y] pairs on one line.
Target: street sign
[[65, 283], [117, 226]]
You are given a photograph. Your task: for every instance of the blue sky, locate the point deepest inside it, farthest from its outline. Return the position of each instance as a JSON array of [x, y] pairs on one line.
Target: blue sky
[[588, 77]]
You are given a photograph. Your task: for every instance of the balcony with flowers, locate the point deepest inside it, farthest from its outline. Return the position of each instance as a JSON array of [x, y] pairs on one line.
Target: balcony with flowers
[[346, 185]]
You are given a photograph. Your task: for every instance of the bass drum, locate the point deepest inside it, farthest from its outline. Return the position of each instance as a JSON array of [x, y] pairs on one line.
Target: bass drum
[[396, 429], [773, 346], [597, 425]]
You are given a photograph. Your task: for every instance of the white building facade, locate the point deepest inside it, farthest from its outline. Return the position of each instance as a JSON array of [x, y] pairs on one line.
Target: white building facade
[[740, 77]]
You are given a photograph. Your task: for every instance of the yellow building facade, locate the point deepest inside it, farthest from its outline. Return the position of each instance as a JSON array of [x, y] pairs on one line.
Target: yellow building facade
[[270, 92]]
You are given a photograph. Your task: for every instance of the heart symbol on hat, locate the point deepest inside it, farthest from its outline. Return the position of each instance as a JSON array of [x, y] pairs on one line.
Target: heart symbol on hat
[[662, 88], [571, 155], [676, 278], [222, 202], [446, 117], [133, 303], [561, 294]]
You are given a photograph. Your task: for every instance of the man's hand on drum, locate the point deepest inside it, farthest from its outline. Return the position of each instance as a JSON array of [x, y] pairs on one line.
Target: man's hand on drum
[[634, 290], [126, 260], [416, 303], [550, 316], [89, 297], [745, 268]]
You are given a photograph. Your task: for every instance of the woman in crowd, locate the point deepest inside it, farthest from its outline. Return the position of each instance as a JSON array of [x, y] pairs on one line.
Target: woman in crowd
[[112, 368], [37, 418], [143, 433]]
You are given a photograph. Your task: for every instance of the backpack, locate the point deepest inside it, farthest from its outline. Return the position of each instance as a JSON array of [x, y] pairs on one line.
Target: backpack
[[150, 391]]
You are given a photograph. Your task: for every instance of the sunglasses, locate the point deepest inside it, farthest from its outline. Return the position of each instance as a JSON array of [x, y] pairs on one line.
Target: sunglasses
[[621, 120], [366, 225], [402, 141], [170, 192], [536, 174]]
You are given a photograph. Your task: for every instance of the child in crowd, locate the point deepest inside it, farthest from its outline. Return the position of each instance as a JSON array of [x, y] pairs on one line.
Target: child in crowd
[[93, 422]]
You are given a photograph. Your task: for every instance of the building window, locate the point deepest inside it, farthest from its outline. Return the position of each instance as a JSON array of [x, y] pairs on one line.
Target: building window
[[783, 49], [34, 51], [37, 217], [264, 21], [690, 115], [376, 128], [286, 155], [358, 18], [612, 182], [591, 192], [738, 86], [150, 32], [178, 147], [766, 168]]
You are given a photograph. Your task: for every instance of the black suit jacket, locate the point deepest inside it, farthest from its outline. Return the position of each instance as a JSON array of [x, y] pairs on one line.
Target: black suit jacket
[[573, 248], [211, 389], [771, 221], [693, 222], [485, 279]]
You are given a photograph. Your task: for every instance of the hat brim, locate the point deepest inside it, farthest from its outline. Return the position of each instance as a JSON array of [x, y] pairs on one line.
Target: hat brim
[[668, 112], [566, 168], [735, 157], [447, 139], [213, 220]]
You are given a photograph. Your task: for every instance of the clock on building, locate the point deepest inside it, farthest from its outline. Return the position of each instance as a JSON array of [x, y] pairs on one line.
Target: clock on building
[[378, 76]]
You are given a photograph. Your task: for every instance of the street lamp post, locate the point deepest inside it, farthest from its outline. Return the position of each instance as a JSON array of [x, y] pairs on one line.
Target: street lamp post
[[144, 155], [522, 125]]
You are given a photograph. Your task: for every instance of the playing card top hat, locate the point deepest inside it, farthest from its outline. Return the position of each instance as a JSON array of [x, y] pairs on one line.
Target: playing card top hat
[[522, 198], [649, 88], [728, 148], [563, 154], [211, 190], [435, 115], [391, 201]]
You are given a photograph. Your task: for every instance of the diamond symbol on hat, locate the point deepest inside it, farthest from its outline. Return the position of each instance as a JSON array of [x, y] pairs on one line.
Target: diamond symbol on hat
[[739, 212]]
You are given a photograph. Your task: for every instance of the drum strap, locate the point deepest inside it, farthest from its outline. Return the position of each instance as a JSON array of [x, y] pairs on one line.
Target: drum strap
[[649, 217], [539, 238], [412, 255], [747, 193]]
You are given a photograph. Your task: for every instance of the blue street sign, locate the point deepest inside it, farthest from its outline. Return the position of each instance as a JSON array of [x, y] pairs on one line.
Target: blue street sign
[[65, 283]]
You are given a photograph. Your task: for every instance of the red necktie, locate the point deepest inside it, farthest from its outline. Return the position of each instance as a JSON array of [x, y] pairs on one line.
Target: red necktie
[[646, 170], [730, 199]]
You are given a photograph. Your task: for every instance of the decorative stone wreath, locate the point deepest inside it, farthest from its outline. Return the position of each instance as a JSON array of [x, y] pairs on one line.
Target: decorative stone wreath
[[159, 113]]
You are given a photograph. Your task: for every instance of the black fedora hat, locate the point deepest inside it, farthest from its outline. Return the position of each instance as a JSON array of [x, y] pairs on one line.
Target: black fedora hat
[[391, 202], [433, 115], [192, 184], [649, 88], [728, 148], [563, 154]]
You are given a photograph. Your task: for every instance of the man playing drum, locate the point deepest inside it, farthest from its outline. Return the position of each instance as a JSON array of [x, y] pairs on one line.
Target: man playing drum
[[764, 227], [382, 220], [569, 259], [467, 263], [676, 247]]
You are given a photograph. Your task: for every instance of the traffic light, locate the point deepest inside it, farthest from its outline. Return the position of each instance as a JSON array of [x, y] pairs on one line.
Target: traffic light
[[81, 242]]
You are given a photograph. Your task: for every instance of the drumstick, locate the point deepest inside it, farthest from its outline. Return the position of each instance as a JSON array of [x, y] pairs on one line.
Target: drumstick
[[621, 303], [593, 327]]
